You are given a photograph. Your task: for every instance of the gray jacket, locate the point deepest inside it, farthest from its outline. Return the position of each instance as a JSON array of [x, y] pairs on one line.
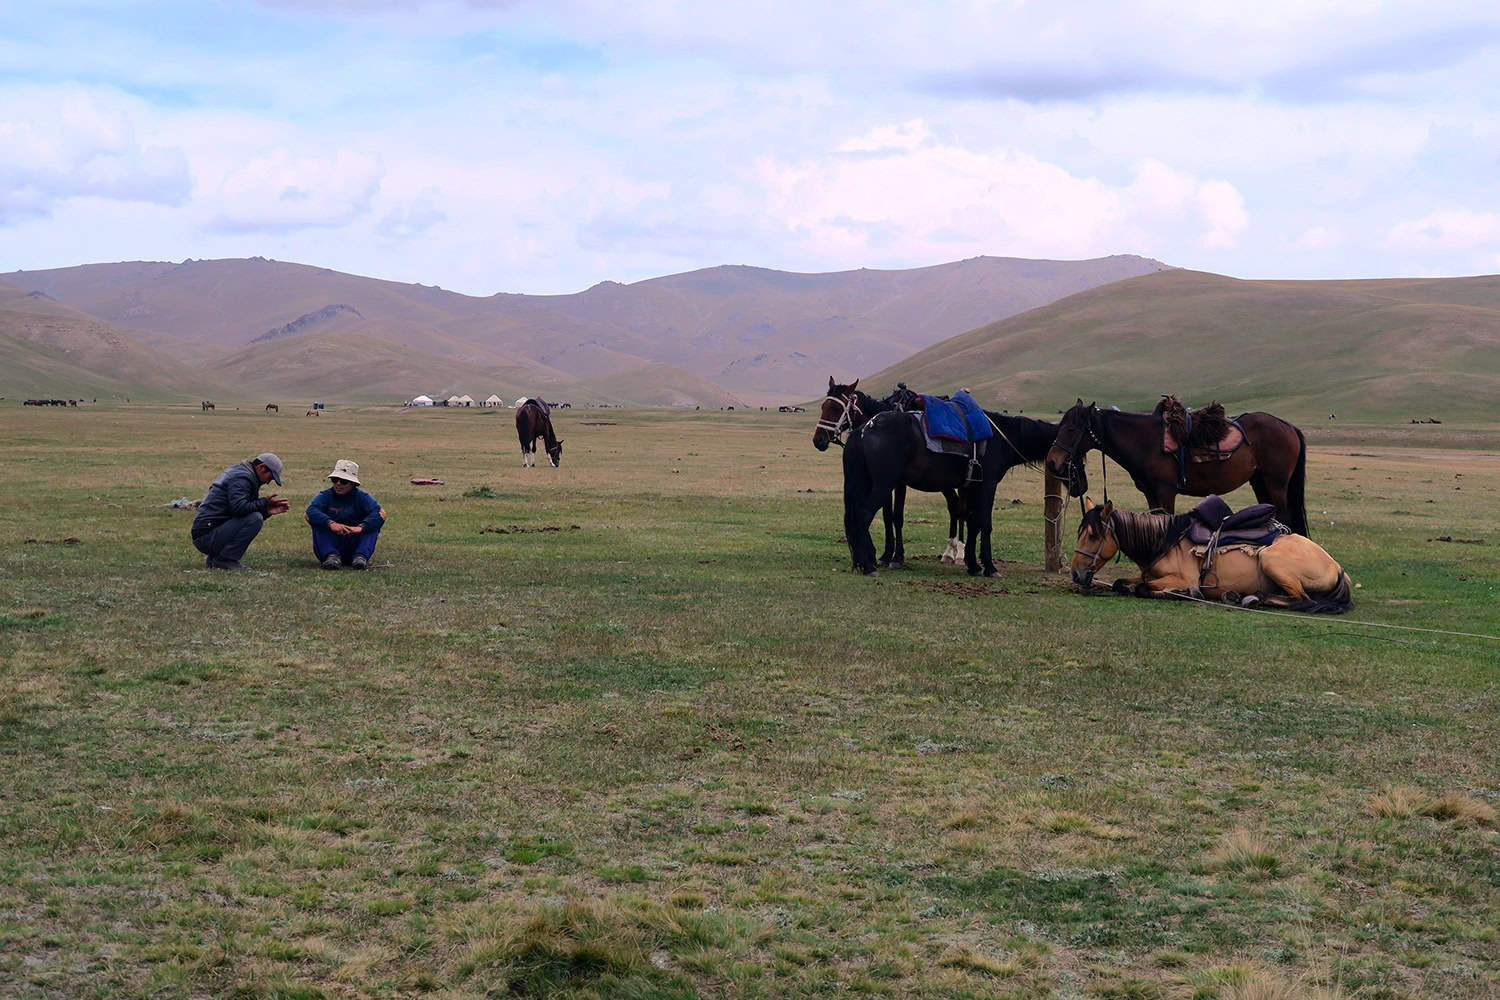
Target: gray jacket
[[235, 493]]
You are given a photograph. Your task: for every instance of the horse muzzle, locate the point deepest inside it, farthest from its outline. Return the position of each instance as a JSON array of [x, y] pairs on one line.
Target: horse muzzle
[[820, 441], [1083, 577]]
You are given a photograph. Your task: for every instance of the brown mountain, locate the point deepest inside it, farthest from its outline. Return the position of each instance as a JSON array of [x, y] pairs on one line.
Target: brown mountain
[[757, 333], [1388, 348], [48, 349]]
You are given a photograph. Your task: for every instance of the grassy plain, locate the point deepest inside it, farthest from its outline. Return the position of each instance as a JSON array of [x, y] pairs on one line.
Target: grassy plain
[[630, 728]]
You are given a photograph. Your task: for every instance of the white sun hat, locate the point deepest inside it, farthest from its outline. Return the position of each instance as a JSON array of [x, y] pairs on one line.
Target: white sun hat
[[345, 469]]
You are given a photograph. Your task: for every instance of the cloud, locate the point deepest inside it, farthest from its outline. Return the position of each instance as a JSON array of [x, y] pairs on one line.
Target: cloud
[[73, 144], [935, 201], [1452, 229], [413, 217], [281, 192]]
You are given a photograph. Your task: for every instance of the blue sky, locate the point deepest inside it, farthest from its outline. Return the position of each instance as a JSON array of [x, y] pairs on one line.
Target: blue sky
[[542, 147]]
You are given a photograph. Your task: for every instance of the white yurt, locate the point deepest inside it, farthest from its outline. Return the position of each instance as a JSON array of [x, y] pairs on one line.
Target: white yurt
[[422, 400], [464, 400], [494, 400], [520, 402]]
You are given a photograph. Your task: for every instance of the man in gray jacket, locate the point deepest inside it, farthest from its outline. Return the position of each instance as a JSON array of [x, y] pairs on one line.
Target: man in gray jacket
[[231, 513]]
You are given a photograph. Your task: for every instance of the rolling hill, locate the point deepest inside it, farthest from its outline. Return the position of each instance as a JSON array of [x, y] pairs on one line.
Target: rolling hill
[[1384, 348], [751, 332]]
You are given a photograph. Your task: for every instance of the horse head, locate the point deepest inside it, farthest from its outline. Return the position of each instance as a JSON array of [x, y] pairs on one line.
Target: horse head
[[554, 453], [1097, 543], [1074, 439], [840, 413]]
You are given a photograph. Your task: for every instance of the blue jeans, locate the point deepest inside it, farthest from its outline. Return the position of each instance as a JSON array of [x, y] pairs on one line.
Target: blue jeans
[[228, 542], [326, 543]]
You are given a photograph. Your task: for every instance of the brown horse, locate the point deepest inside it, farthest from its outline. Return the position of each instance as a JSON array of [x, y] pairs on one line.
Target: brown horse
[[1272, 459], [272, 408], [845, 410], [534, 421], [1292, 572]]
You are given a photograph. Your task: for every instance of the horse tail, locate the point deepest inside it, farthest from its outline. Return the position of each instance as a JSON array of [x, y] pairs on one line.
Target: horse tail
[[1296, 488], [859, 484], [1335, 602]]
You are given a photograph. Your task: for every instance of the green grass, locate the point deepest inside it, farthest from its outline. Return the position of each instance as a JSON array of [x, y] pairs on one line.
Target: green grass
[[680, 750]]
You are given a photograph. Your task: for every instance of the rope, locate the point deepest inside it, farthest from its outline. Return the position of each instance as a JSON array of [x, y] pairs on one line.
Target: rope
[[1336, 621]]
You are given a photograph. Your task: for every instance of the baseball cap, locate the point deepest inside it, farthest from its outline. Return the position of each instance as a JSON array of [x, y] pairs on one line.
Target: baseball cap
[[270, 461]]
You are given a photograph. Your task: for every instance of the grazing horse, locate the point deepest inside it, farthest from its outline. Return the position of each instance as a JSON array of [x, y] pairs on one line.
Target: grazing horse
[[532, 422], [846, 409], [1272, 459], [1292, 572], [206, 405], [272, 408], [891, 448]]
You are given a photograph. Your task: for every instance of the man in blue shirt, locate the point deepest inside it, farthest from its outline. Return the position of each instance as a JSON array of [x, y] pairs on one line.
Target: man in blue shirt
[[346, 521]]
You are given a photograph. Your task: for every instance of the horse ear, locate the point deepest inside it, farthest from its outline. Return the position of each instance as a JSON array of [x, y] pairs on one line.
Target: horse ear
[[831, 383], [1109, 508], [1088, 503]]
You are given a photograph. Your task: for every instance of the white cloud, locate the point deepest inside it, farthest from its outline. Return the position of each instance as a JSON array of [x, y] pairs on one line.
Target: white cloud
[[1452, 229], [57, 145], [282, 191]]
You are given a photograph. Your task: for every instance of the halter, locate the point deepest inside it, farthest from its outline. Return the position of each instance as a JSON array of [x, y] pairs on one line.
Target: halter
[[850, 413], [1094, 563]]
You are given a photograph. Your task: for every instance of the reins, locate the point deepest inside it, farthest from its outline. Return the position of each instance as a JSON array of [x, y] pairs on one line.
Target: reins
[[846, 419]]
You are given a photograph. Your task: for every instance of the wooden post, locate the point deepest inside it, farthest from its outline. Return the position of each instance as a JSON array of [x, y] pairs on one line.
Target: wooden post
[[1052, 511]]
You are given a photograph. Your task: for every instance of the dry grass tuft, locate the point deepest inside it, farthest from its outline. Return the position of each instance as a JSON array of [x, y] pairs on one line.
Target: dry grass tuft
[[964, 957], [1465, 810], [1241, 850], [1265, 985], [1398, 802]]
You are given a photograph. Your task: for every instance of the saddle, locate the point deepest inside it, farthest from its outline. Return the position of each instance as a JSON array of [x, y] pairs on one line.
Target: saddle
[[1189, 435], [1214, 528], [951, 426]]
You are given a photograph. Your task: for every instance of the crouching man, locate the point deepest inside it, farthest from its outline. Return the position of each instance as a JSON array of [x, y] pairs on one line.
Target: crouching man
[[230, 515], [346, 521]]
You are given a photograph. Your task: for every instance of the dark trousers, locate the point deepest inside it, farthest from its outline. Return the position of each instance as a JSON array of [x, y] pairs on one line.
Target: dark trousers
[[325, 542], [228, 542]]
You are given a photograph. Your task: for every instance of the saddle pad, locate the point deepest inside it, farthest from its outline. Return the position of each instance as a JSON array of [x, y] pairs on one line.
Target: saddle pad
[[1199, 551], [959, 419], [1233, 438]]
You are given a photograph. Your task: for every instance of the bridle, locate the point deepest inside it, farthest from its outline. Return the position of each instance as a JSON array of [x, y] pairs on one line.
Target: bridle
[[1106, 529], [849, 416], [1074, 461]]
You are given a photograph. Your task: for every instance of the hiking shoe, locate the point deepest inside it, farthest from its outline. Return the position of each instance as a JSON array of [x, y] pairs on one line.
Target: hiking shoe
[[333, 561], [359, 562]]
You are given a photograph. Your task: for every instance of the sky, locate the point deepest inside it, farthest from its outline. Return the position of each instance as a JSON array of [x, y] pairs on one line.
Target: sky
[[515, 146]]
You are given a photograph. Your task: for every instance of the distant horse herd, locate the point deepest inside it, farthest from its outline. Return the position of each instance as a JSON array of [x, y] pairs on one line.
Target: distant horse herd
[[50, 402]]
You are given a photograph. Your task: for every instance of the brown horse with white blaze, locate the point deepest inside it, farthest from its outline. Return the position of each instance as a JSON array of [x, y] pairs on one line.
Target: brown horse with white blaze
[[1292, 572]]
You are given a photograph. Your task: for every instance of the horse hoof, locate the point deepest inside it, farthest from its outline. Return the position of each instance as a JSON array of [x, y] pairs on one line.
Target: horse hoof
[[895, 565], [991, 571], [974, 570]]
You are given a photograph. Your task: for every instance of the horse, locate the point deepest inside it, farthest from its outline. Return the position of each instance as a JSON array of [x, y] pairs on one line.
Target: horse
[[532, 422], [206, 405], [846, 409], [1272, 459], [1292, 572], [891, 448], [272, 408]]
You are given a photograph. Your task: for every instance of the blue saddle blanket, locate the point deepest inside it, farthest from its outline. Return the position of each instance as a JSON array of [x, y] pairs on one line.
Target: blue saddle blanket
[[960, 419]]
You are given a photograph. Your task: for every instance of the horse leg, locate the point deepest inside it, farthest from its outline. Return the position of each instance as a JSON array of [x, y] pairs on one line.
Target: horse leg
[[888, 512], [985, 519], [1267, 491], [954, 550], [898, 561]]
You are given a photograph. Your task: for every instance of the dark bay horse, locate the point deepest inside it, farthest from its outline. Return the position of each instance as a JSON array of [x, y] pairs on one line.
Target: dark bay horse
[[534, 421], [1273, 460], [846, 409], [891, 448]]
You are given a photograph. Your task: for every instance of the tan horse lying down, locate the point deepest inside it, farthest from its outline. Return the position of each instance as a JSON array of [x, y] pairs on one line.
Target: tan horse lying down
[[1292, 572]]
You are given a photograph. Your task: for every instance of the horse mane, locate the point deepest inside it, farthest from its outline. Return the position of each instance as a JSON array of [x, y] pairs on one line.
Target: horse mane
[[1144, 538], [1210, 425], [1029, 437]]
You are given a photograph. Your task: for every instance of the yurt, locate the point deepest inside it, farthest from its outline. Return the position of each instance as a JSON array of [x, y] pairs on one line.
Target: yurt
[[494, 400], [422, 400], [464, 400]]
